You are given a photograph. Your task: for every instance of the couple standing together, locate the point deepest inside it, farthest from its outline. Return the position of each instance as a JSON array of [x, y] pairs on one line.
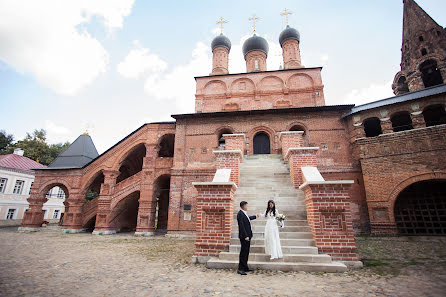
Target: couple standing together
[[272, 239]]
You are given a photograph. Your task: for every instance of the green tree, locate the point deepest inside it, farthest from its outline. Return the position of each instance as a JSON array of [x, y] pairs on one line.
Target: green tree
[[36, 147], [5, 141]]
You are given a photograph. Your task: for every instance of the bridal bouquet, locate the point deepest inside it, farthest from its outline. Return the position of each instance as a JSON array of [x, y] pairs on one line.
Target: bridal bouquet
[[281, 217]]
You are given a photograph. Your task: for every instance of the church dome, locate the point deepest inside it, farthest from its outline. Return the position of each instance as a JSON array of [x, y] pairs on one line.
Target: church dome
[[255, 43], [222, 41], [289, 33]]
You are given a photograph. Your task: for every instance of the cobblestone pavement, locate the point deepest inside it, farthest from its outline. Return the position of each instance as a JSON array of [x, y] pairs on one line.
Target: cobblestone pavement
[[49, 263]]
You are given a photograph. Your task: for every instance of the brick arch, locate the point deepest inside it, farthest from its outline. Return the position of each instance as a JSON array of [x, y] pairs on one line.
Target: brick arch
[[90, 178], [297, 123], [58, 182], [407, 182], [249, 88], [269, 131], [264, 86], [403, 109], [434, 56], [397, 77], [299, 76], [117, 198], [220, 87], [121, 157]]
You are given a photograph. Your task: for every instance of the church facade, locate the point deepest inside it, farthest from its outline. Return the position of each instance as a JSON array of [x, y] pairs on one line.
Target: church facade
[[381, 166]]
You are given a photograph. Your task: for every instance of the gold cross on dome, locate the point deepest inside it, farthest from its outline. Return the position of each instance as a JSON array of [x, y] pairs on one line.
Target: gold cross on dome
[[254, 18], [286, 13], [221, 22]]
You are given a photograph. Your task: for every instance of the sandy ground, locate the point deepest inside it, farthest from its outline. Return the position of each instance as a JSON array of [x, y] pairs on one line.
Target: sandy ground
[[49, 263]]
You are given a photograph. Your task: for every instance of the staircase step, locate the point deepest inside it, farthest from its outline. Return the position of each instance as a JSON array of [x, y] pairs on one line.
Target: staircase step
[[304, 234], [285, 242], [286, 258], [281, 266], [285, 249]]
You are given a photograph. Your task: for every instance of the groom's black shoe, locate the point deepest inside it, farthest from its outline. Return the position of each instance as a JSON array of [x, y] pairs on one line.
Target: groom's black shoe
[[241, 272], [249, 270]]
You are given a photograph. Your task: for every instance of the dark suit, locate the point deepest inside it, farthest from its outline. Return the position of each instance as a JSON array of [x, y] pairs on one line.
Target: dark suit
[[244, 230]]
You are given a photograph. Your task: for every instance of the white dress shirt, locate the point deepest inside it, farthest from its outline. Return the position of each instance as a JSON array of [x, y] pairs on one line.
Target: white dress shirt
[[246, 214]]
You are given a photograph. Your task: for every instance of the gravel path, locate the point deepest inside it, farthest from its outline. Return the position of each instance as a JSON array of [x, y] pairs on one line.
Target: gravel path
[[49, 263]]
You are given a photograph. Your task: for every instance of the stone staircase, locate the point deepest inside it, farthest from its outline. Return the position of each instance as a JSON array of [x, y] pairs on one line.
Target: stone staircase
[[265, 177]]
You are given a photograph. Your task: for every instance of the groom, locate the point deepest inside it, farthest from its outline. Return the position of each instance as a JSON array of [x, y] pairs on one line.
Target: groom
[[245, 235]]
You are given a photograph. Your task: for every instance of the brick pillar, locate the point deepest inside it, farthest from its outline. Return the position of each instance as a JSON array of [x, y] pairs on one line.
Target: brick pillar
[[417, 119], [330, 220], [358, 131], [386, 125], [145, 225], [72, 220], [231, 160], [33, 218], [235, 142], [290, 139], [102, 225], [215, 209], [300, 157]]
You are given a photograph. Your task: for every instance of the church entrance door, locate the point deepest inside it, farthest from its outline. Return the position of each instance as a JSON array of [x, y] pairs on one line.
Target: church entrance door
[[261, 143]]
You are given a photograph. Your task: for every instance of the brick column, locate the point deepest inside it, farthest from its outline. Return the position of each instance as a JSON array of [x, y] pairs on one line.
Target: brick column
[[102, 226], [417, 119], [145, 225], [215, 209], [386, 125], [230, 160], [72, 220], [329, 217], [235, 142], [33, 218], [290, 139], [300, 157]]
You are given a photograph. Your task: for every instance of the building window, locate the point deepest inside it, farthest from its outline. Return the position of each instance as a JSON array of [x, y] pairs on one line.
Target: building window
[[434, 115], [18, 187], [372, 127], [10, 214], [256, 64], [401, 122], [421, 38], [48, 195], [430, 74], [56, 214], [3, 182], [60, 193], [402, 85], [423, 52], [30, 187]]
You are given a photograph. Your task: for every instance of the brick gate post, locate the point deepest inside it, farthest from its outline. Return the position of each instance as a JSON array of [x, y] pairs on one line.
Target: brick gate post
[[230, 159], [290, 139], [215, 205], [299, 157], [72, 222]]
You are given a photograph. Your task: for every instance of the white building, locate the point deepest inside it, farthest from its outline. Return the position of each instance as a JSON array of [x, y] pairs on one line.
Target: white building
[[16, 179]]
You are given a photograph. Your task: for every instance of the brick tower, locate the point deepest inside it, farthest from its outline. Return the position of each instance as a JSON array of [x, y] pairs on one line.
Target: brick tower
[[423, 52]]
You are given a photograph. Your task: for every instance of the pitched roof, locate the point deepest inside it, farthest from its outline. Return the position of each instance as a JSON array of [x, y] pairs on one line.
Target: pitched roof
[[19, 163], [81, 152]]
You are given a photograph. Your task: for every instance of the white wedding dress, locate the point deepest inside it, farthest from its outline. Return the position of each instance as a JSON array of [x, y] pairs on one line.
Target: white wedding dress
[[272, 239]]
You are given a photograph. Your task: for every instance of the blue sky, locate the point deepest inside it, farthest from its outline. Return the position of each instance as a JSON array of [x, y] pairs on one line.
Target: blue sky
[[112, 65]]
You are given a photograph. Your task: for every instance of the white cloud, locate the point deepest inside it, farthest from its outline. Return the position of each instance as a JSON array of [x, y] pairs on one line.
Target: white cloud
[[140, 61], [56, 133], [47, 39], [370, 93]]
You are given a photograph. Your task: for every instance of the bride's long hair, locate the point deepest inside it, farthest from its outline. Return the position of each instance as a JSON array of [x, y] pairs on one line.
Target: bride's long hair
[[272, 209]]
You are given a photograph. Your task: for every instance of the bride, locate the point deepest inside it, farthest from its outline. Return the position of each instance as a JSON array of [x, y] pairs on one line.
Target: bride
[[272, 239]]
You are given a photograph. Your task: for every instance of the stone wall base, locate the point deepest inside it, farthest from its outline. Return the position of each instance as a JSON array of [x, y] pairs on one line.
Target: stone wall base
[[200, 259], [72, 231], [104, 232], [144, 233], [28, 229]]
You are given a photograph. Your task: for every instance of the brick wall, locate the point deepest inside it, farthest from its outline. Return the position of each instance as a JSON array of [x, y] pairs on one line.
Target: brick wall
[[229, 160]]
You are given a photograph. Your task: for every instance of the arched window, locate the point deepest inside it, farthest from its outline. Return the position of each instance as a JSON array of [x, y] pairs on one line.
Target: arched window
[[434, 115], [401, 121], [167, 145], [372, 127], [430, 73], [132, 164], [423, 52], [402, 85], [297, 128], [420, 38]]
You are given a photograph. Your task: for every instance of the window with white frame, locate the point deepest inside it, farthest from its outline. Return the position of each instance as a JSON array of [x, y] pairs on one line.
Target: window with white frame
[[56, 214], [30, 187], [18, 187], [60, 193], [48, 195], [3, 182], [10, 214]]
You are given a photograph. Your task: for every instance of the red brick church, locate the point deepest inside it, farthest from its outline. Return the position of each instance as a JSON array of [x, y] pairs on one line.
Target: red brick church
[[334, 170]]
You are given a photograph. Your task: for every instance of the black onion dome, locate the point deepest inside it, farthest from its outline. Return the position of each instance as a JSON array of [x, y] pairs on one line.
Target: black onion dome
[[289, 33], [222, 41], [255, 43]]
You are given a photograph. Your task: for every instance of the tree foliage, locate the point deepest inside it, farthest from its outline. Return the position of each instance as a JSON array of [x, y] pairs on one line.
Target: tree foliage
[[35, 146]]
